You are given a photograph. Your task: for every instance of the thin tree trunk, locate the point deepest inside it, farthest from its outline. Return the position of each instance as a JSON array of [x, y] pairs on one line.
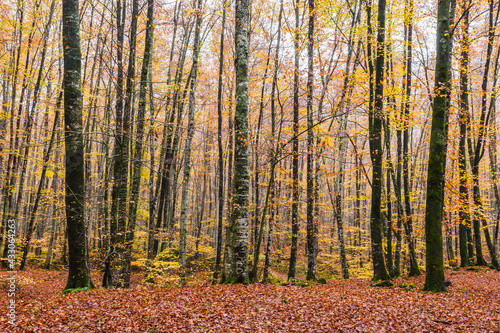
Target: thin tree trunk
[[141, 114], [228, 254], [274, 145], [375, 129], [55, 200], [157, 200], [479, 214], [187, 149], [31, 223], [408, 227], [258, 226], [312, 223], [119, 192], [121, 265], [464, 215], [295, 150], [220, 215]]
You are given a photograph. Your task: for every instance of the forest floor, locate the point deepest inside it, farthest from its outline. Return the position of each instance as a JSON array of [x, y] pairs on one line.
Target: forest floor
[[471, 305]]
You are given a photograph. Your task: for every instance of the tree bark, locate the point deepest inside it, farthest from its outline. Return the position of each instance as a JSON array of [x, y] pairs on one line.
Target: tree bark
[[375, 130], [187, 149], [295, 150], [141, 113], [220, 215], [414, 269], [312, 223], [241, 179], [434, 279], [274, 146], [79, 271], [480, 142], [464, 215]]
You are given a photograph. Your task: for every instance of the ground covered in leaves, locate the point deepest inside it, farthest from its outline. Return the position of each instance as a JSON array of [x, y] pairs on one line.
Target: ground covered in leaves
[[472, 305]]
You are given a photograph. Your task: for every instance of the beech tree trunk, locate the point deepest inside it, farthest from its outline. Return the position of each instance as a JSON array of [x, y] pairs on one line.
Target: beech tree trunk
[[375, 130], [241, 179], [434, 278], [79, 271]]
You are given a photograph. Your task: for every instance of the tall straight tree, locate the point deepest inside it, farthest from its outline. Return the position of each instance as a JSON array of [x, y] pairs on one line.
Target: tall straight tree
[[434, 278], [464, 216], [273, 150], [79, 271], [241, 178], [476, 152], [414, 269], [119, 190], [187, 149], [137, 164], [352, 56], [220, 213], [295, 150], [312, 227], [375, 130]]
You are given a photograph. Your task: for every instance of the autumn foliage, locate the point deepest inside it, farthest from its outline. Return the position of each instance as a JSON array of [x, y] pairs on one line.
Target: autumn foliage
[[472, 305]]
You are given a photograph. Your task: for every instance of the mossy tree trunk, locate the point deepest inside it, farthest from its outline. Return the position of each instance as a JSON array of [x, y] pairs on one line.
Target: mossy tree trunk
[[228, 251], [241, 178], [312, 223], [434, 279], [79, 271], [464, 216], [375, 140]]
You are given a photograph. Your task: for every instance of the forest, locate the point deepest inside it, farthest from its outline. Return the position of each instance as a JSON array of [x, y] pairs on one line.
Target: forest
[[249, 166]]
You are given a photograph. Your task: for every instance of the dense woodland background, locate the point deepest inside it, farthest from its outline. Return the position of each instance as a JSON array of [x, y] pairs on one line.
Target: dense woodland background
[[330, 175]]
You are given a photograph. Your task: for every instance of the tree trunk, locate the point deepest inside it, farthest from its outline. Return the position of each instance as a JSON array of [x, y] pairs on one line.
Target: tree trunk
[[155, 201], [119, 190], [274, 147], [31, 223], [258, 227], [187, 149], [136, 178], [414, 269], [434, 279], [79, 271], [295, 150], [228, 252], [241, 180], [312, 223], [375, 130], [53, 233], [480, 142], [464, 216], [220, 215]]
